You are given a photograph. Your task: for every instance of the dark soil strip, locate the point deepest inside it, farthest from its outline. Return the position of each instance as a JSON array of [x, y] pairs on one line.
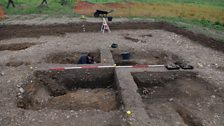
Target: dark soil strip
[[17, 63], [12, 31], [149, 35], [132, 39], [15, 46]]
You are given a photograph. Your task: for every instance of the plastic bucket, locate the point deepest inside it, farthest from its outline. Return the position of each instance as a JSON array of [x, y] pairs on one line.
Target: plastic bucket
[[109, 18], [125, 55], [114, 45]]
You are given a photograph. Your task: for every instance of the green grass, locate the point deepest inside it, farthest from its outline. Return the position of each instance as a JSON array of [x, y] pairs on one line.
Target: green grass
[[54, 7], [218, 3], [201, 23], [211, 29]]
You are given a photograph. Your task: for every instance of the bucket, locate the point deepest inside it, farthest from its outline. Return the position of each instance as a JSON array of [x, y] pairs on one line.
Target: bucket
[[125, 55], [109, 18], [114, 45]]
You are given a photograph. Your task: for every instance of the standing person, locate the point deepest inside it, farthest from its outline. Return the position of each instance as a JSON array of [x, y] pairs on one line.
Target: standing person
[[10, 2], [44, 1]]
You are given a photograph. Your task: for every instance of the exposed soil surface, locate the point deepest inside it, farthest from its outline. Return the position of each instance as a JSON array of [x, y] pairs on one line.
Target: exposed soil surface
[[66, 90], [10, 31], [179, 96], [103, 99], [16, 63], [15, 46], [152, 57], [31, 94]]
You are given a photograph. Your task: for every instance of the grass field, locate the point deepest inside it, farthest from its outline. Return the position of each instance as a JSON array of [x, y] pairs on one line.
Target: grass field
[[160, 10]]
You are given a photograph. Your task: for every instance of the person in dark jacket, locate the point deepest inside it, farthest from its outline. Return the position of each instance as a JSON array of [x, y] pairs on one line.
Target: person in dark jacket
[[10, 2], [44, 1], [86, 59]]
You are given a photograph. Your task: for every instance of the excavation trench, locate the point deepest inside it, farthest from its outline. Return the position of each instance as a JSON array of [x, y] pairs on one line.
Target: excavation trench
[[178, 97], [152, 57], [85, 89], [70, 57]]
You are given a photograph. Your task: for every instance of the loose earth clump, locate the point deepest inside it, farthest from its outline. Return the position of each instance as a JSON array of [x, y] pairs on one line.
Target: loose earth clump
[[67, 90], [179, 97], [69, 57], [16, 46], [152, 57]]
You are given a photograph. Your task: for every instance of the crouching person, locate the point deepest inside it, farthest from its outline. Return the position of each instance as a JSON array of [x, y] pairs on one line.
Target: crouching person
[[86, 59]]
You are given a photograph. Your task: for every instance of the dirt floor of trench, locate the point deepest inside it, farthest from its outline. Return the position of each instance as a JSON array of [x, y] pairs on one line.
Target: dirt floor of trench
[[179, 97], [152, 57], [69, 91]]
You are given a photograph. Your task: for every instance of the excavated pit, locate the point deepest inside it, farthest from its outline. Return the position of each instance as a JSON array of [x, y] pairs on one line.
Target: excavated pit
[[174, 97], [83, 89], [70, 57], [152, 57], [16, 46]]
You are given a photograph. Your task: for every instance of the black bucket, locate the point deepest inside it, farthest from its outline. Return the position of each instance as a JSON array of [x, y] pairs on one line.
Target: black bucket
[[114, 45], [125, 55], [109, 18], [172, 67]]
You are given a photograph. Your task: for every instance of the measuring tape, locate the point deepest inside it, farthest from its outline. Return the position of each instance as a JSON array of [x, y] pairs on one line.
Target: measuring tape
[[95, 67]]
